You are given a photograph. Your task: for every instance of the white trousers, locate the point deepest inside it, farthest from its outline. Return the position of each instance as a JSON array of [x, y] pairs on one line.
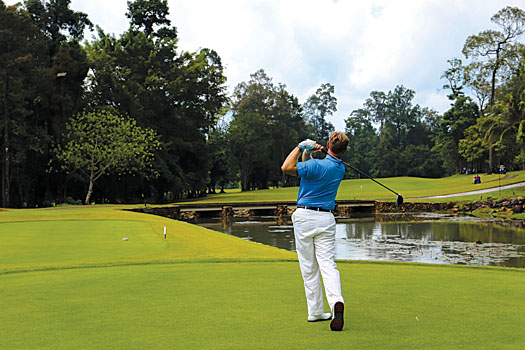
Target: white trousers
[[315, 243]]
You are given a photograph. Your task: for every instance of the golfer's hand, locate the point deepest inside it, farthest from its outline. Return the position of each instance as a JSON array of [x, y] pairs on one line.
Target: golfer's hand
[[307, 145], [316, 148]]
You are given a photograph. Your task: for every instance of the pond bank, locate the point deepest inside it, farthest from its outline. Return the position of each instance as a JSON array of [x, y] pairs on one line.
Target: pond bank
[[509, 209]]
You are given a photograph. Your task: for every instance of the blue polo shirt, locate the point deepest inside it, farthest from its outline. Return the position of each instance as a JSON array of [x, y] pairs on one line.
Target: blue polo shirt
[[320, 179]]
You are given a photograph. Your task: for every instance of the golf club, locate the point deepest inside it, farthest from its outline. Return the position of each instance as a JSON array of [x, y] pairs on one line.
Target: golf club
[[399, 198]]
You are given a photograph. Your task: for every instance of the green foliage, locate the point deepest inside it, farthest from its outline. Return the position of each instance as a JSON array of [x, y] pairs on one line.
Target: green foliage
[[495, 60], [179, 95], [103, 142], [221, 169], [462, 114], [471, 147], [406, 131], [490, 48], [23, 58], [317, 108], [362, 142], [249, 140], [455, 76], [146, 14], [57, 21], [267, 124]]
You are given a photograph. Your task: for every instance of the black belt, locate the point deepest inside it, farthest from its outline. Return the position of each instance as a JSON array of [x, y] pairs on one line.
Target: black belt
[[314, 208]]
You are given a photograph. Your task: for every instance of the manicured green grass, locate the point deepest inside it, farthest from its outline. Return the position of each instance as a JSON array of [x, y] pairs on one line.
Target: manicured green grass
[[92, 236], [411, 188], [260, 306], [68, 281]]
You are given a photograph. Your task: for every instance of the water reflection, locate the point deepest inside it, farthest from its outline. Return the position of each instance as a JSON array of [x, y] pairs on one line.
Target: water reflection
[[473, 243]]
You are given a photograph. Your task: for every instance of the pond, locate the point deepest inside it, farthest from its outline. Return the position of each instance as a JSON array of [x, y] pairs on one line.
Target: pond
[[432, 239]]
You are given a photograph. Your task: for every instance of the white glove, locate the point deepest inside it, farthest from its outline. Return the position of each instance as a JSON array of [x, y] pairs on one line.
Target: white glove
[[306, 144]]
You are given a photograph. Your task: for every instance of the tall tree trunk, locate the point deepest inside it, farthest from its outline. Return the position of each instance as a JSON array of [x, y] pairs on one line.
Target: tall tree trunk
[[5, 172], [492, 99], [90, 188], [493, 88], [490, 159]]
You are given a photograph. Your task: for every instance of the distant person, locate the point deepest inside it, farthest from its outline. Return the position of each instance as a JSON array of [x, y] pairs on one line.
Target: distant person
[[314, 224], [477, 179]]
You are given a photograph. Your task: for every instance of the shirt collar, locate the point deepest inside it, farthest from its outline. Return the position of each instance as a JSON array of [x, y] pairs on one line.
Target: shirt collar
[[333, 159]]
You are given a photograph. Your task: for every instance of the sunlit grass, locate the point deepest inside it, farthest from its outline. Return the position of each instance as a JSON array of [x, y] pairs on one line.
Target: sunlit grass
[[68, 281], [91, 236], [411, 188]]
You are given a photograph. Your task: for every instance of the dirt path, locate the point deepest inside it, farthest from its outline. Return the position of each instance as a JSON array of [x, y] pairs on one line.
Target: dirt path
[[478, 191]]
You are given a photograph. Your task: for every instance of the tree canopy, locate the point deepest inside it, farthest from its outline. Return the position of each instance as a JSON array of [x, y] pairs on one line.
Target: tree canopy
[[143, 120], [103, 142]]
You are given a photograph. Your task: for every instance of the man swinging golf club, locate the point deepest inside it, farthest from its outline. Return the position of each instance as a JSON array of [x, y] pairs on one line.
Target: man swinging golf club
[[314, 224]]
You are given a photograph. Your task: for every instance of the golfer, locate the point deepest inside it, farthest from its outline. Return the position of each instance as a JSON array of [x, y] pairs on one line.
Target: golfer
[[314, 224]]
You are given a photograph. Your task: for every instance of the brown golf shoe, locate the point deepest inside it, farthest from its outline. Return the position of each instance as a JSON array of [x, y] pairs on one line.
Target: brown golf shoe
[[338, 321]]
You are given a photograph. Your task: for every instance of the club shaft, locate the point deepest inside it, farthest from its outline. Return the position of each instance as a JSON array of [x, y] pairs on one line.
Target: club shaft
[[360, 172]]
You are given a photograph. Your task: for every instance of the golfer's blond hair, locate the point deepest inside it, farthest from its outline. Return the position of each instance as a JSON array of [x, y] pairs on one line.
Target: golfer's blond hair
[[338, 142]]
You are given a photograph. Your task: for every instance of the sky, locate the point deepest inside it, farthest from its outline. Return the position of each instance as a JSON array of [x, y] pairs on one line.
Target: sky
[[357, 46]]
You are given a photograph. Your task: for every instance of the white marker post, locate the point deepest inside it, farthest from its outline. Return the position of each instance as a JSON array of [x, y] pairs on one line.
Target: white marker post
[[164, 232]]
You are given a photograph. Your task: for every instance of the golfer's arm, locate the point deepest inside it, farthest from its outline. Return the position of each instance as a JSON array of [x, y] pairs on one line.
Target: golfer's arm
[[289, 166], [306, 156]]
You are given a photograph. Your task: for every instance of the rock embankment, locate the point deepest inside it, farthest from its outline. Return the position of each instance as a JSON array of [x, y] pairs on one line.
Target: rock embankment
[[391, 207], [516, 205]]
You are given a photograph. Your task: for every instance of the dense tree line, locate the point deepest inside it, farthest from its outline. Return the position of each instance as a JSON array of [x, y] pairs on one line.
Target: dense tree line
[[131, 117], [49, 78]]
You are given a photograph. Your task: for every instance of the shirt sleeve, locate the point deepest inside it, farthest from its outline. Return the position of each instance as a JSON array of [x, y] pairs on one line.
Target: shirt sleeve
[[307, 170]]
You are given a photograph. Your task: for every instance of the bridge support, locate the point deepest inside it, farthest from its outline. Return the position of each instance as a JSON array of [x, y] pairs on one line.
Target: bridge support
[[227, 211], [281, 210]]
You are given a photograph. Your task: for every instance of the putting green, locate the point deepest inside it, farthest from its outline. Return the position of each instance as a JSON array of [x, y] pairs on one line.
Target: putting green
[[67, 280]]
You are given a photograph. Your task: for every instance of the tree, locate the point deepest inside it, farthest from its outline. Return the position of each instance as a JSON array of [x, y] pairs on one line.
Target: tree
[[496, 46], [363, 141], [455, 121], [492, 50], [279, 125], [178, 94], [401, 125], [375, 107], [288, 127], [221, 169], [103, 142], [455, 77], [250, 131], [471, 146], [57, 21], [400, 113], [249, 134], [317, 108], [506, 122], [21, 59], [147, 14], [477, 77]]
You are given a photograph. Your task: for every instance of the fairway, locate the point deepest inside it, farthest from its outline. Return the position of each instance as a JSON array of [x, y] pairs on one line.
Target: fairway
[[413, 189], [67, 280], [75, 240]]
